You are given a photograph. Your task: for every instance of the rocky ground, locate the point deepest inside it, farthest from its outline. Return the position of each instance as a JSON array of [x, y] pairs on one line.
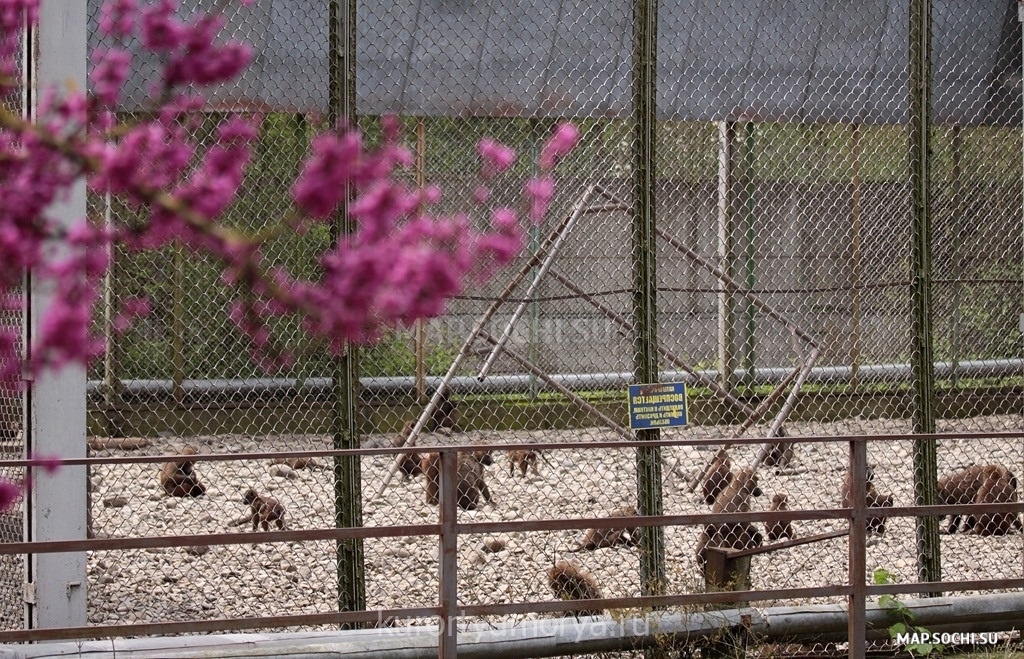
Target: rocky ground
[[287, 578]]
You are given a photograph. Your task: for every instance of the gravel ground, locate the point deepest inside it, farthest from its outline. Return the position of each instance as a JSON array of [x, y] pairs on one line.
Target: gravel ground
[[288, 578]]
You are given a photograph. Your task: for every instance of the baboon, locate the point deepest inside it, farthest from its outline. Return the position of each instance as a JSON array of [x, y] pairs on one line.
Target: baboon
[[737, 535], [735, 498], [569, 582], [179, 479], [874, 499], [981, 484], [782, 528], [471, 484], [960, 487], [264, 510], [778, 454], [297, 463], [877, 500], [444, 415], [430, 467], [716, 476], [523, 459], [599, 538], [471, 479], [408, 463], [999, 486]]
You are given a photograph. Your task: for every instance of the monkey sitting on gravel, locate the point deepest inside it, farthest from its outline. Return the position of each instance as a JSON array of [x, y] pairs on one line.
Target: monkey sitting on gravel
[[735, 498], [179, 479], [471, 485], [781, 528], [569, 582], [523, 460], [873, 498], [599, 538], [264, 510], [298, 463], [408, 463], [716, 476]]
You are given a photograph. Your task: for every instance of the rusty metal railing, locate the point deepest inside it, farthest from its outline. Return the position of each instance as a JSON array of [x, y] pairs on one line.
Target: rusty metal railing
[[448, 529]]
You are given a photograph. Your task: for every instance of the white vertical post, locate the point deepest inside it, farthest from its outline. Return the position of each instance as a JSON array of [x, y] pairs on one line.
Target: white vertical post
[[55, 591], [726, 251]]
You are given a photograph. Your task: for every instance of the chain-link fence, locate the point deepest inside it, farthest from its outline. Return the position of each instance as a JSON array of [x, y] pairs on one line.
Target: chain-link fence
[[804, 241], [12, 568]]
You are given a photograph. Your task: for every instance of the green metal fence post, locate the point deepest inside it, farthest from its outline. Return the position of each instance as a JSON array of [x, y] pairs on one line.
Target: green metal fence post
[[347, 480], [925, 469], [649, 481]]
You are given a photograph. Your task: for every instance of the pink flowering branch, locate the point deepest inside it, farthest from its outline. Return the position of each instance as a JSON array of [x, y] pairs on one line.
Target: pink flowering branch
[[401, 263]]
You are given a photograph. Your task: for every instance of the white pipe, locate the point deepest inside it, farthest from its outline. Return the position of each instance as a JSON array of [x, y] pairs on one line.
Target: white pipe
[[382, 386]]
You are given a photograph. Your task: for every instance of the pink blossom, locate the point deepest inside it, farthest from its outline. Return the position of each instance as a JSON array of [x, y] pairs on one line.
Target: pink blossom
[[539, 191], [48, 463], [109, 74], [160, 31], [320, 186], [117, 17], [401, 263], [558, 145], [10, 493], [496, 156], [131, 309]]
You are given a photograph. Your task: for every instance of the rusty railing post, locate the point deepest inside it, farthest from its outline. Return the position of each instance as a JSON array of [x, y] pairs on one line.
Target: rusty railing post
[[447, 642], [857, 547]]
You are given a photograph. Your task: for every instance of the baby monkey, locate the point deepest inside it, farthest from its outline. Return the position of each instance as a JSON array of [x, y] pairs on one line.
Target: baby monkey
[[264, 510]]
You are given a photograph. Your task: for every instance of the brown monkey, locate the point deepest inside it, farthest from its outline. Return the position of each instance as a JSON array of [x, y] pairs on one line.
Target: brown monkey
[[778, 454], [999, 486], [524, 459], [471, 485], [264, 510], [877, 500], [874, 499], [599, 538], [444, 415], [430, 467], [408, 463], [179, 479], [297, 463], [716, 476], [735, 498], [471, 479], [966, 486], [960, 487], [782, 528], [569, 582]]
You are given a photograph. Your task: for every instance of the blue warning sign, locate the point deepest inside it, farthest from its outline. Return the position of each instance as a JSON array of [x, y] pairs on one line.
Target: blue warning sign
[[657, 405]]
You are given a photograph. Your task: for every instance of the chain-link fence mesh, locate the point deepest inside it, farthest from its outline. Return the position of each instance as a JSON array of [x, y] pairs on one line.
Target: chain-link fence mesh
[[12, 568], [787, 268]]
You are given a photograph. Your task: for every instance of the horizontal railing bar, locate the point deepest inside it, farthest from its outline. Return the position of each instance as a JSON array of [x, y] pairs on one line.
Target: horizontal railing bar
[[944, 586], [216, 539], [477, 528], [540, 446]]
